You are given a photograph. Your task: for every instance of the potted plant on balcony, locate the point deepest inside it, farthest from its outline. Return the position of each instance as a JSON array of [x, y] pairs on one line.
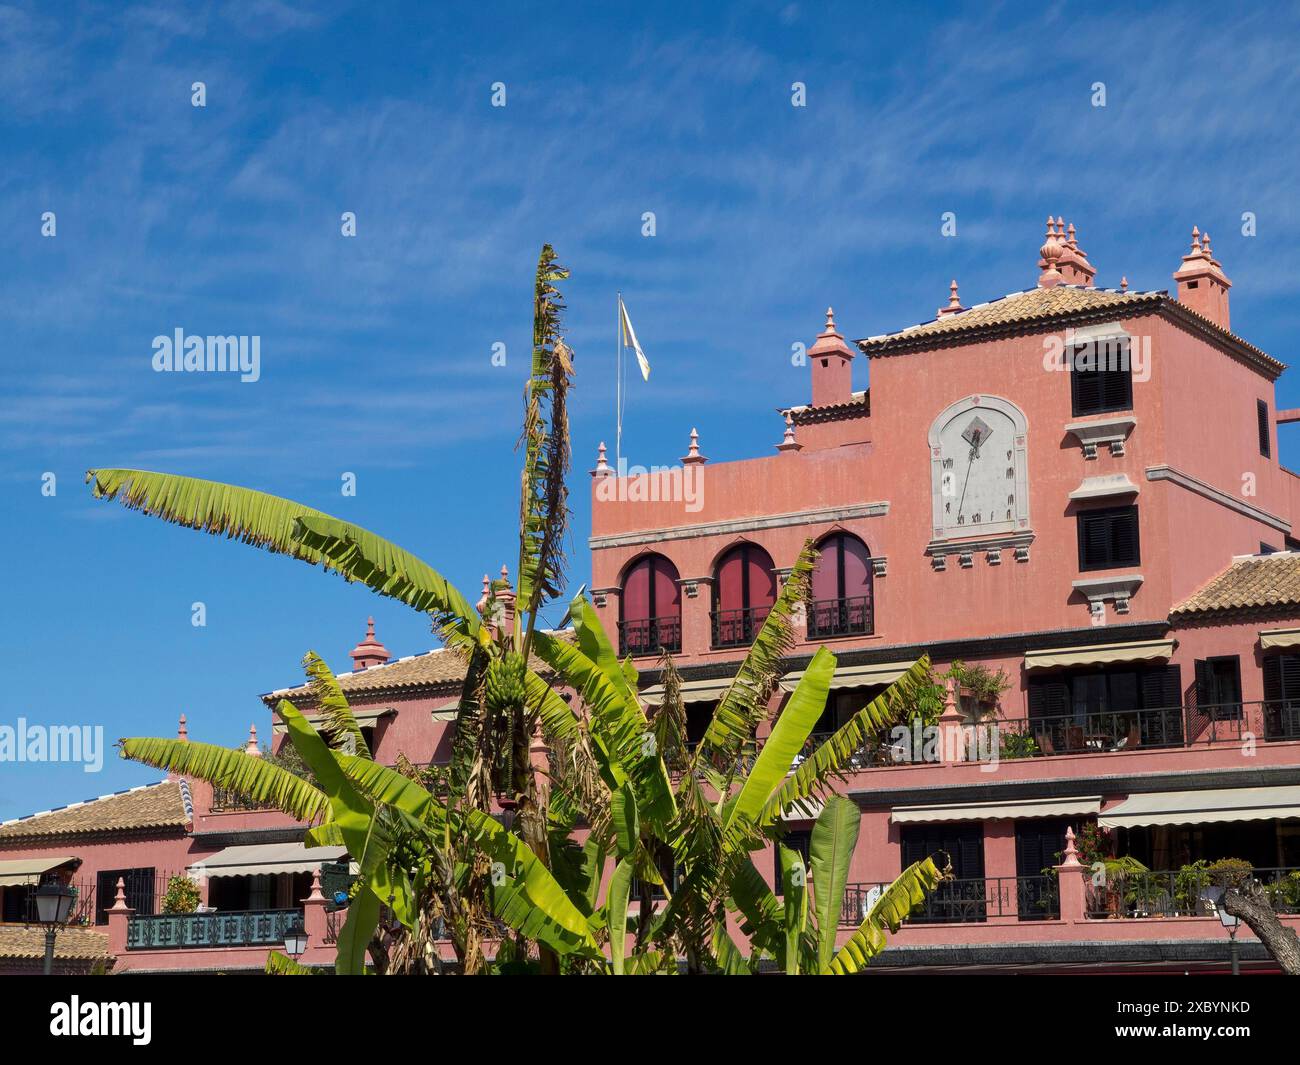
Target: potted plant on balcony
[[979, 684], [182, 895]]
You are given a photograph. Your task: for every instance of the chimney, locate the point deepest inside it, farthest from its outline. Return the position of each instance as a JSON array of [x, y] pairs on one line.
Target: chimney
[[1202, 284], [1073, 263], [832, 366], [369, 652]]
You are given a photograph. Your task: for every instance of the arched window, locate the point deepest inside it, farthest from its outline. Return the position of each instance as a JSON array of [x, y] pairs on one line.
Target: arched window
[[744, 589], [841, 589], [650, 608]]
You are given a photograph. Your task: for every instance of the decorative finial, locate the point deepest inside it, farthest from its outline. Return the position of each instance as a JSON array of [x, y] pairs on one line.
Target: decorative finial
[[954, 304], [1205, 245], [602, 465], [182, 730], [693, 453], [1050, 252], [1073, 242], [251, 748], [1196, 239], [370, 628], [830, 319], [1060, 228], [788, 442], [1123, 284], [1071, 856]]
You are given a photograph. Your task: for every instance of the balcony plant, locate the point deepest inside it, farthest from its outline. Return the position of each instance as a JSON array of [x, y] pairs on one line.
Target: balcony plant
[[182, 895], [980, 684]]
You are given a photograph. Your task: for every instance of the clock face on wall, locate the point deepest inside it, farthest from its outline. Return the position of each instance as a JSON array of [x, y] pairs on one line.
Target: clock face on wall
[[978, 469]]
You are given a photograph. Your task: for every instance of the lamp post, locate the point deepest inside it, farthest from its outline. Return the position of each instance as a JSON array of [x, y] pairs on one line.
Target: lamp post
[[1230, 923], [295, 939], [53, 906], [1214, 895]]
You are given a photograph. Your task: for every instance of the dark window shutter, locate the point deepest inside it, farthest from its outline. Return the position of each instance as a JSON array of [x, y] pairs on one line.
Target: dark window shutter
[[1203, 695], [1108, 385], [1272, 678], [1162, 687], [1108, 538], [1048, 698], [1124, 538], [1290, 673], [1265, 437]]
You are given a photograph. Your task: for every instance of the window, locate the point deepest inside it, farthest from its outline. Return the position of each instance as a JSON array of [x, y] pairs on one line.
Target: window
[[1100, 379], [1261, 413], [1039, 845], [1108, 538], [963, 897], [800, 842], [1267, 549], [1282, 696], [744, 590], [1086, 710], [139, 886], [1218, 687], [841, 588], [650, 608]]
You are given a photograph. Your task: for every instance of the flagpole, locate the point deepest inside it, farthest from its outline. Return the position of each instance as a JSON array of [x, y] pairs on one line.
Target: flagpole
[[618, 381]]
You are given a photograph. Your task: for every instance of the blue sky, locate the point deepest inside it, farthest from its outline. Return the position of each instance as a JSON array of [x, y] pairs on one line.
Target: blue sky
[[376, 350]]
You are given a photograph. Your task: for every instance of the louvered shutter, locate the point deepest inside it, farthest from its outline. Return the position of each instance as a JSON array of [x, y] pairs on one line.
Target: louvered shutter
[[1124, 537]]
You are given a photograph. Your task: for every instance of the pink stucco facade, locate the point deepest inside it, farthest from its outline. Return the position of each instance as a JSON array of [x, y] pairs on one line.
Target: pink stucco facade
[[1108, 668]]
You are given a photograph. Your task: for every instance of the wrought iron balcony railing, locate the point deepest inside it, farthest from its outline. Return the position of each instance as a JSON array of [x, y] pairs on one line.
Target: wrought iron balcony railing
[[737, 628], [840, 617], [1181, 892], [194, 931], [965, 900], [650, 636]]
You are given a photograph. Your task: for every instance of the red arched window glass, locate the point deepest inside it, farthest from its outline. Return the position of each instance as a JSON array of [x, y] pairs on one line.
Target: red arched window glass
[[841, 589], [744, 589], [650, 608]]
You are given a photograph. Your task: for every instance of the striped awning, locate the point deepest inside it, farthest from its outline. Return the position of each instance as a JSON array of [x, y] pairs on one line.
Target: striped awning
[[1100, 654], [1214, 806], [260, 858], [21, 872], [365, 718], [693, 691], [1279, 638], [855, 676], [1076, 806]]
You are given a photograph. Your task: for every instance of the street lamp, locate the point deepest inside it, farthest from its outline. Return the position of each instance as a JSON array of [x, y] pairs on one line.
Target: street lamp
[[1230, 923], [53, 907], [1215, 895], [295, 939]]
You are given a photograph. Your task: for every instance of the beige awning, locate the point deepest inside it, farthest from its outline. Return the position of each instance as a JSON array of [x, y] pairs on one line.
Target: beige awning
[[259, 858], [1076, 806], [24, 871], [1279, 638], [693, 691], [1217, 806], [446, 711], [1100, 654], [855, 676], [365, 718]]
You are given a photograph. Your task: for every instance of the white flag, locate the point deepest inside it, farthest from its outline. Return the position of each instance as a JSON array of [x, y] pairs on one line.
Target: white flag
[[629, 338]]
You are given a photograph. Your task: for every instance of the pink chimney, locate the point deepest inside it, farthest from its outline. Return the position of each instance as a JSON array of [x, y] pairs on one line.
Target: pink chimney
[[832, 366], [1202, 284]]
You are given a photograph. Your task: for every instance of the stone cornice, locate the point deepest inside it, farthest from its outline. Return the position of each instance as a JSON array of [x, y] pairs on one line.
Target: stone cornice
[[740, 525], [1215, 495]]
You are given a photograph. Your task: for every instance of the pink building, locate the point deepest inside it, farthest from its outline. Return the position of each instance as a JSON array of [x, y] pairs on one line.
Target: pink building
[[1075, 486]]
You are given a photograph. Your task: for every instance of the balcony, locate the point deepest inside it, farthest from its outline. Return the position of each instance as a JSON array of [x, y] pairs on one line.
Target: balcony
[[1178, 893], [1146, 729], [225, 801], [185, 931], [737, 628], [967, 900], [650, 636], [840, 617]]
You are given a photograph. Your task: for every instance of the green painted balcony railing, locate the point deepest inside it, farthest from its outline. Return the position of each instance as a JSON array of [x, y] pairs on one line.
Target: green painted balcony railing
[[195, 931]]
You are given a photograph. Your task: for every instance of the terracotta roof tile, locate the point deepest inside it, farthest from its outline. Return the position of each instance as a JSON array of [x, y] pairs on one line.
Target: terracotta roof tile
[[1252, 582], [80, 944], [1029, 306], [1037, 305], [440, 669], [161, 805]]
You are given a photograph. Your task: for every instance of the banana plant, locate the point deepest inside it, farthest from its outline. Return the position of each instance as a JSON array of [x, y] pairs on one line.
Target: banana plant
[[396, 831], [504, 703], [727, 803]]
